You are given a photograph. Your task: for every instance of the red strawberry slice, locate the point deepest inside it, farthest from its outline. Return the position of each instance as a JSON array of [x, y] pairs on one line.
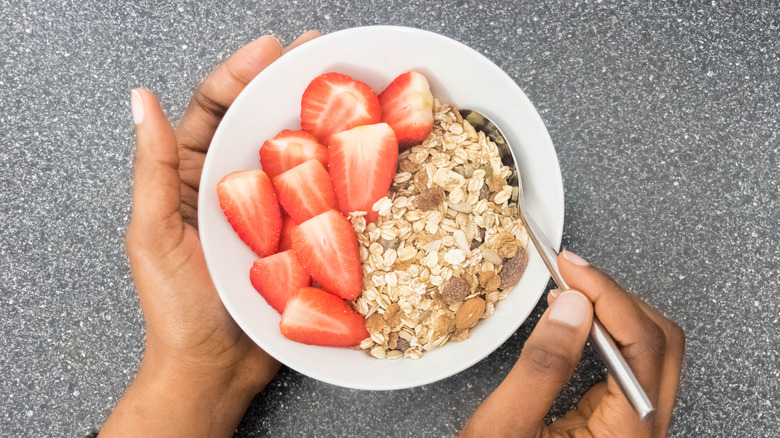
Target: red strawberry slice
[[362, 166], [334, 102], [249, 202], [315, 317], [285, 238], [407, 106], [305, 191], [278, 277], [289, 149], [327, 247]]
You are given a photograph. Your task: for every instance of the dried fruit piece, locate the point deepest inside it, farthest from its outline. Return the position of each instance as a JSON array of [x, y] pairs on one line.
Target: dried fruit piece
[[455, 290], [513, 268], [484, 192], [469, 313], [389, 244], [402, 344], [429, 199]]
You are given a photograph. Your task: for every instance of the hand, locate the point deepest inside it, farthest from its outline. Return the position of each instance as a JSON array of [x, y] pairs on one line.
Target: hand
[[199, 371], [651, 344]]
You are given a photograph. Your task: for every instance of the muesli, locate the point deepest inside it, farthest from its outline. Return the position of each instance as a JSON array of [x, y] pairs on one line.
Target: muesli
[[447, 245]]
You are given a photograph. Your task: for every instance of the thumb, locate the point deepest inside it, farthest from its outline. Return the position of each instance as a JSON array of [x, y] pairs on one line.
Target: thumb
[[156, 186], [518, 406]]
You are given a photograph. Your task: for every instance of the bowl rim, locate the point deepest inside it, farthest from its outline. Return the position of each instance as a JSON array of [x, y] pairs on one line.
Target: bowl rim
[[556, 236]]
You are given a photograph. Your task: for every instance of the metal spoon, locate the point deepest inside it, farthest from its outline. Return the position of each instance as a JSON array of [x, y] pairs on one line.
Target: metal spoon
[[599, 336]]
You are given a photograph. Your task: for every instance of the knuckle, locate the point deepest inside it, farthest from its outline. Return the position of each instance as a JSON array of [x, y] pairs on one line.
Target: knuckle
[[653, 345], [544, 359]]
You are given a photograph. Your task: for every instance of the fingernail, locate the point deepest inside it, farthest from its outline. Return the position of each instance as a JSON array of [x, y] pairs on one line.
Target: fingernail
[[137, 106], [569, 308], [555, 292], [574, 258]]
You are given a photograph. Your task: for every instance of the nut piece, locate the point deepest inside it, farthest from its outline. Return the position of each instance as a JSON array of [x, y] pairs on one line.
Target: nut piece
[[489, 280], [469, 313], [455, 290], [429, 199], [513, 268], [375, 323], [496, 183], [393, 315]]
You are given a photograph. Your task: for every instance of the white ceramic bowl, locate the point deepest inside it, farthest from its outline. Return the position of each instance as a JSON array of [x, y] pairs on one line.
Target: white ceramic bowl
[[375, 55]]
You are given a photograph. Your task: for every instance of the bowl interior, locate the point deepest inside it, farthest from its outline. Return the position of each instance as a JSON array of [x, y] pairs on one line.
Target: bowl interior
[[375, 55]]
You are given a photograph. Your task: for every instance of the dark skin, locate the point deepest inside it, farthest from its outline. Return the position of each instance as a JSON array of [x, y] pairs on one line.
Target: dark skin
[[200, 372]]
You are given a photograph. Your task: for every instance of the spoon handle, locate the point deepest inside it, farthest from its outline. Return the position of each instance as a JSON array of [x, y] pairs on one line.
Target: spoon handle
[[599, 337]]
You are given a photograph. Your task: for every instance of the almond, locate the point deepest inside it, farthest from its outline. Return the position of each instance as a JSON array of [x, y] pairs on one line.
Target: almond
[[469, 313]]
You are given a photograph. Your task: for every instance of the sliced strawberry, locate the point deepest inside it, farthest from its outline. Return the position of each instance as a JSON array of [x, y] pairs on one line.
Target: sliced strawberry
[[334, 102], [289, 149], [327, 247], [285, 238], [315, 317], [249, 202], [407, 106], [362, 166], [305, 191], [278, 277]]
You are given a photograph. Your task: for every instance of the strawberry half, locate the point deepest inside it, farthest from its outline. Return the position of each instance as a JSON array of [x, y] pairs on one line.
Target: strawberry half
[[305, 191], [249, 202], [334, 102], [407, 106], [278, 277], [327, 247], [315, 317], [362, 166], [289, 149], [285, 238]]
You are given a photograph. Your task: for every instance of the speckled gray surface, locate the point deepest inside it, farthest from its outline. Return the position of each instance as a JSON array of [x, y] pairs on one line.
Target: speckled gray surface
[[665, 119]]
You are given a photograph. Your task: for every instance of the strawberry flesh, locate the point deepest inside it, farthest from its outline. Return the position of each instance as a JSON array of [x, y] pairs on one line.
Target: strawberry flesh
[[289, 149], [407, 106], [305, 191], [334, 102], [362, 166], [249, 202], [278, 277], [285, 238], [327, 247], [315, 317]]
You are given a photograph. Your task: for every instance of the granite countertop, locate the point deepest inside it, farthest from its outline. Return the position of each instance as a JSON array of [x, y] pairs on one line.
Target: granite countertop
[[665, 118]]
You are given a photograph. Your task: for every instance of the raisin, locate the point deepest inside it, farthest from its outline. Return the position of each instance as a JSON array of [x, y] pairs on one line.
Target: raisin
[[402, 344], [484, 192], [389, 244], [429, 199], [512, 269]]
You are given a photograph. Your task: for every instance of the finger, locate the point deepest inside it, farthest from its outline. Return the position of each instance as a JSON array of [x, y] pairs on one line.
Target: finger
[[641, 341], [215, 95], [304, 38], [672, 367], [519, 405], [156, 194], [204, 113]]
